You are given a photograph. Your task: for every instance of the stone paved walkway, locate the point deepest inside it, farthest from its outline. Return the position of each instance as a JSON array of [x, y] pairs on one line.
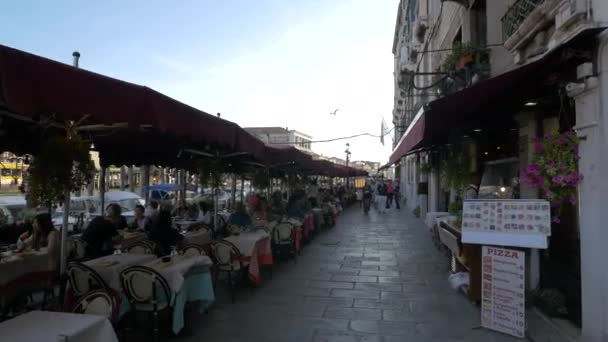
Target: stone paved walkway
[[375, 278]]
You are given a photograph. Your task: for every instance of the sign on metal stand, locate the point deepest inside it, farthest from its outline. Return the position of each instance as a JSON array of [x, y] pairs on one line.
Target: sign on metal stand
[[503, 290]]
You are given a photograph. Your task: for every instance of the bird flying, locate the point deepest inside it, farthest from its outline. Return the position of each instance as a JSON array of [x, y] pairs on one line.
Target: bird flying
[[334, 112]]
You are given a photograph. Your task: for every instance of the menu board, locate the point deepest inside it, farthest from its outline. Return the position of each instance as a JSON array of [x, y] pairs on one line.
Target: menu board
[[524, 223], [503, 291]]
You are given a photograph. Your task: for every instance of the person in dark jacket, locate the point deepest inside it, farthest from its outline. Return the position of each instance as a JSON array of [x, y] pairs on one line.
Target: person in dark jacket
[[163, 233]]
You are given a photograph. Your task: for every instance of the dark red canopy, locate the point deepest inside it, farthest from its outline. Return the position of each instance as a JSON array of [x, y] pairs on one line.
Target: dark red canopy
[[32, 86]]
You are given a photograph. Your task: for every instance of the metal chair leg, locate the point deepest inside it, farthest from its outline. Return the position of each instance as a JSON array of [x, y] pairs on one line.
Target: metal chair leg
[[231, 286]]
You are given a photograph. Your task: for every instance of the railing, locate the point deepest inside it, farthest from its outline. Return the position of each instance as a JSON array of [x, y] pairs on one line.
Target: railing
[[516, 14]]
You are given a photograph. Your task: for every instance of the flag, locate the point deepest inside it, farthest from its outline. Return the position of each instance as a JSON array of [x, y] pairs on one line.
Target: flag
[[383, 129]]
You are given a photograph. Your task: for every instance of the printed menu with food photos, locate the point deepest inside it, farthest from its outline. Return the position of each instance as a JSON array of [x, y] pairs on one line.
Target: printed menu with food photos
[[503, 290], [507, 216]]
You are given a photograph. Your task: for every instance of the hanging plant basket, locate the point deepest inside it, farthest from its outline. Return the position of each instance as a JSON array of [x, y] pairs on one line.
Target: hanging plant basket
[[554, 170], [260, 179], [64, 163], [210, 172]]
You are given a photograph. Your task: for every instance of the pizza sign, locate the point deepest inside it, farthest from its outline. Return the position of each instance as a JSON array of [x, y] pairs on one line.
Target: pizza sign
[[503, 290]]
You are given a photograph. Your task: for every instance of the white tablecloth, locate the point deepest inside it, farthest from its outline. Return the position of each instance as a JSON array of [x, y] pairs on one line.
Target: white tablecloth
[[16, 266], [175, 270], [199, 237], [43, 326], [183, 224], [245, 242], [109, 267], [129, 238], [432, 217]]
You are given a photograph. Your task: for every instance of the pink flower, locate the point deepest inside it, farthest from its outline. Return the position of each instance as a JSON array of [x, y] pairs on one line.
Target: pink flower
[[568, 134], [533, 169], [538, 147], [549, 194], [561, 140], [572, 200], [556, 220]]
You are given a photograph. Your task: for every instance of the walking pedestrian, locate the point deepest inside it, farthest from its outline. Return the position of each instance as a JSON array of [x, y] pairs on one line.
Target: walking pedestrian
[[381, 197], [397, 195], [389, 194]]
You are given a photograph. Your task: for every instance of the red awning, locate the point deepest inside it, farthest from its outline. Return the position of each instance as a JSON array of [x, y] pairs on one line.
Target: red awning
[[32, 86], [486, 101], [412, 138]]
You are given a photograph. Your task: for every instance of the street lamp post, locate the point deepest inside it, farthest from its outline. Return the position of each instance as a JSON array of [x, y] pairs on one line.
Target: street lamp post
[[347, 152]]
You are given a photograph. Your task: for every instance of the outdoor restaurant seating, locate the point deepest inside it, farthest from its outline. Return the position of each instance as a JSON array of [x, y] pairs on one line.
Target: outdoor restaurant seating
[[147, 291], [98, 302], [285, 239], [84, 279], [160, 131], [227, 258], [193, 250], [141, 247]]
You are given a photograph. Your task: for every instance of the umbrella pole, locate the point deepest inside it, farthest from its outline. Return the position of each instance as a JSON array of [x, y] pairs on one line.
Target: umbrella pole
[[63, 257], [233, 197], [102, 189], [242, 188]]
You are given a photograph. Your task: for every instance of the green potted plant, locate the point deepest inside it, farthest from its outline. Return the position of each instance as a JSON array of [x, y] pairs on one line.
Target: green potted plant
[[64, 164], [425, 168], [416, 212], [461, 55]]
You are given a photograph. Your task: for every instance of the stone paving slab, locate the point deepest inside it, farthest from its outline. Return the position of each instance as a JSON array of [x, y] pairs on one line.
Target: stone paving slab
[[372, 278]]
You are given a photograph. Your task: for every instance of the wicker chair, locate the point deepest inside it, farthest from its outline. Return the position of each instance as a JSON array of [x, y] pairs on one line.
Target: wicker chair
[[98, 302], [227, 260], [147, 291], [141, 247], [83, 279], [284, 238]]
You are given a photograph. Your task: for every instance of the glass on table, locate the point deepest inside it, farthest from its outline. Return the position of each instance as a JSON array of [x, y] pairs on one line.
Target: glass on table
[[117, 249], [173, 251]]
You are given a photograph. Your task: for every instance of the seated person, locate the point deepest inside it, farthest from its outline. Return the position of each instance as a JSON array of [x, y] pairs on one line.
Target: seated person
[[163, 233], [296, 209], [204, 213], [114, 214], [240, 216], [100, 236], [261, 213], [181, 210], [141, 223], [152, 210], [43, 235]]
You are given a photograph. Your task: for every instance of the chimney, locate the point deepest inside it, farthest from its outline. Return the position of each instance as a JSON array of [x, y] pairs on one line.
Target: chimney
[[76, 56], [219, 115]]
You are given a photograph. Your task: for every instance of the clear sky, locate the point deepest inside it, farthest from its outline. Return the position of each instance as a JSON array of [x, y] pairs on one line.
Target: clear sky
[[282, 63]]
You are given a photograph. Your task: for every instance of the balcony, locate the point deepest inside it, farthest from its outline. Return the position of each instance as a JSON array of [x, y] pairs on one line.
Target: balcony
[[516, 15]]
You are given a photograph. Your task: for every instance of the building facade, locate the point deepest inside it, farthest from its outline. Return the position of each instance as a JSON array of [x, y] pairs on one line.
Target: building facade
[[369, 166], [282, 136], [476, 83]]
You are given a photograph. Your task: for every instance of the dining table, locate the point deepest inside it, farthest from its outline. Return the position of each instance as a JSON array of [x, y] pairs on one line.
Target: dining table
[[131, 237], [189, 279], [198, 237], [23, 271], [110, 266], [256, 251], [37, 326]]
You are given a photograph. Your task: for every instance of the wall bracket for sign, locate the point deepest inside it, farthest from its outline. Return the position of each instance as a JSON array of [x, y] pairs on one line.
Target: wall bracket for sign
[[518, 223]]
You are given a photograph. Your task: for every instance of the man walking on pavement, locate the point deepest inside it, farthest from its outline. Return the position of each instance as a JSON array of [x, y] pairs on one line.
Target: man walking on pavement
[[397, 195], [389, 194], [381, 197]]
